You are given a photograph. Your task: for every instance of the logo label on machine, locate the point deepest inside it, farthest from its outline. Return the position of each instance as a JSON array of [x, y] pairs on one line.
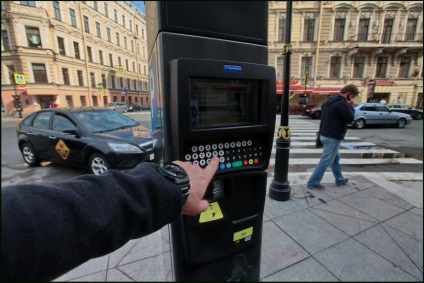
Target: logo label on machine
[[211, 214], [233, 68], [242, 236]]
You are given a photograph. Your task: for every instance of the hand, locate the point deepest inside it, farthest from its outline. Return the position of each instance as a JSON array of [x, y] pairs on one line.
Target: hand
[[351, 103], [199, 181]]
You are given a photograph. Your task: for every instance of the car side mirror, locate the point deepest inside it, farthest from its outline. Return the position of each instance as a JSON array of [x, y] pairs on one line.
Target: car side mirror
[[70, 132]]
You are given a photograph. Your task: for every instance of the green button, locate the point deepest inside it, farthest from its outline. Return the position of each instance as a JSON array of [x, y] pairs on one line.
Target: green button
[[237, 163]]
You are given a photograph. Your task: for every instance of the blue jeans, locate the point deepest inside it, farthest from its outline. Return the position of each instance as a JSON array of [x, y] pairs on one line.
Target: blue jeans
[[330, 156]]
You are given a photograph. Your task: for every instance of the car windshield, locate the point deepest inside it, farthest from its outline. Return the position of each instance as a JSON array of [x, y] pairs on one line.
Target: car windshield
[[111, 104], [97, 121]]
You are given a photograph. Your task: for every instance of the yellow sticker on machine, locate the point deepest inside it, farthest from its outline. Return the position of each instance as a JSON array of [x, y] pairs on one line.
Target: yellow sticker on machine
[[243, 235], [62, 149], [211, 214]]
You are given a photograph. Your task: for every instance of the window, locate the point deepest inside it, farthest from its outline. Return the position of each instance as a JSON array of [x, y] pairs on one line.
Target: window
[[280, 66], [132, 45], [335, 66], [125, 42], [61, 123], [110, 59], [339, 27], [306, 67], [28, 3], [98, 32], [119, 61], [42, 120], [136, 29], [135, 85], [89, 54], [123, 20], [11, 70], [129, 84], [61, 45], [76, 50], [86, 26], [281, 30], [142, 33], [39, 71], [404, 65], [108, 35], [145, 72], [411, 27], [93, 80], [95, 102], [387, 31], [106, 9], [130, 25], [5, 40], [80, 78], [101, 57], [308, 32], [83, 102], [117, 39], [121, 83], [33, 36], [95, 6], [69, 102], [65, 76], [56, 10], [72, 17], [358, 67], [126, 64], [381, 67], [133, 63], [104, 84], [115, 15], [363, 29], [112, 80]]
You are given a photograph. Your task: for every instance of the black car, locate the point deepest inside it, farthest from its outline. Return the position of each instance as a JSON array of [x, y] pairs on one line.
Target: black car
[[416, 114], [97, 139], [314, 112], [134, 107], [145, 107]]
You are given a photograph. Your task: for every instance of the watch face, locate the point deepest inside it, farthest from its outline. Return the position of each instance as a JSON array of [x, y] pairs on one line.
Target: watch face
[[174, 170]]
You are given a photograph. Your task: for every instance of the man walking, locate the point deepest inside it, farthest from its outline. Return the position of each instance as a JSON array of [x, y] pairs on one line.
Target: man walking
[[337, 112]]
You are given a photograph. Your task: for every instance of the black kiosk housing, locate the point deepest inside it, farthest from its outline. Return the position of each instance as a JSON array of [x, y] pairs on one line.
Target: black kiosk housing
[[212, 94]]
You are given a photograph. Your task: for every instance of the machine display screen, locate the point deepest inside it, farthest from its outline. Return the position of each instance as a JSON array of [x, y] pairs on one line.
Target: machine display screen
[[223, 102]]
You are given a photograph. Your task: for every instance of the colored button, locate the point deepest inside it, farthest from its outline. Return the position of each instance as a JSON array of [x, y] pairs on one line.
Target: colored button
[[256, 160], [228, 165], [222, 166], [250, 161], [237, 163], [245, 162]]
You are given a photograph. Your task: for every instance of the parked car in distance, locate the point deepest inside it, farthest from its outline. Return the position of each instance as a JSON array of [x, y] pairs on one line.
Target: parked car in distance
[[416, 114], [378, 114], [120, 107], [134, 107], [313, 111], [145, 107], [99, 139]]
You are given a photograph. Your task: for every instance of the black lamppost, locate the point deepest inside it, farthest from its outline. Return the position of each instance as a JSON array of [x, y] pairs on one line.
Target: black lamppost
[[280, 189]]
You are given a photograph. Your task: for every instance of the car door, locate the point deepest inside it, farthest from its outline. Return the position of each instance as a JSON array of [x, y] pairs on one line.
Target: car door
[[386, 117], [38, 134], [371, 115], [66, 148]]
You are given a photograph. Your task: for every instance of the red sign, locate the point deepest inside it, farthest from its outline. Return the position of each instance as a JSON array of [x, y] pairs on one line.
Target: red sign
[[382, 82], [21, 88]]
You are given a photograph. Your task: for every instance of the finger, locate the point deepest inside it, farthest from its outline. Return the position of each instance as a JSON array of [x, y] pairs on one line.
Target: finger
[[212, 167], [203, 205]]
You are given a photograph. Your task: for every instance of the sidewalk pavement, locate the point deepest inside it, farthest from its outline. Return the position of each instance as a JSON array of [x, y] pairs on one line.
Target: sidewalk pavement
[[371, 229]]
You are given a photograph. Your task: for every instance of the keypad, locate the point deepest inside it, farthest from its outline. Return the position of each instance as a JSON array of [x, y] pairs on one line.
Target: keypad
[[231, 154]]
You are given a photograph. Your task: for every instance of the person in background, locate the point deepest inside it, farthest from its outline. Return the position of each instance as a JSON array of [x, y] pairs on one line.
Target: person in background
[[51, 228], [337, 113], [383, 101], [399, 100]]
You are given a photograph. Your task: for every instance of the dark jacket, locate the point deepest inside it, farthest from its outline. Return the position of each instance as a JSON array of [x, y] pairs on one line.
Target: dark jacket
[[335, 116], [49, 229]]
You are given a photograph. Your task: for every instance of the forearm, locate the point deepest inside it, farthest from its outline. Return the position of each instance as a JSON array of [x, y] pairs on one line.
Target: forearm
[[48, 229]]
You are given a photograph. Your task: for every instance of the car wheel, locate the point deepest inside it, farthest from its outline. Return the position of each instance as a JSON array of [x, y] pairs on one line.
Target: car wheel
[[125, 110], [419, 116], [401, 123], [98, 164], [29, 155], [359, 124]]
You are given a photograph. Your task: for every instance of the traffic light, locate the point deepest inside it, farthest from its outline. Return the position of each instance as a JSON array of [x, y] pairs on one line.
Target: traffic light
[[17, 101]]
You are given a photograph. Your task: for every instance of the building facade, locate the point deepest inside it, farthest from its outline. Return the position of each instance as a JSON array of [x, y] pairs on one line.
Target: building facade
[[336, 43], [73, 53]]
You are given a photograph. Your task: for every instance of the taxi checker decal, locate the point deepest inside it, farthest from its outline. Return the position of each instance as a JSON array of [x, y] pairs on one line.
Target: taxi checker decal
[[62, 149], [141, 134]]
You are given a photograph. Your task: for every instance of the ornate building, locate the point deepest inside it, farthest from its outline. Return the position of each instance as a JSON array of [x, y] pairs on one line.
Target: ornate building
[[350, 42], [75, 53]]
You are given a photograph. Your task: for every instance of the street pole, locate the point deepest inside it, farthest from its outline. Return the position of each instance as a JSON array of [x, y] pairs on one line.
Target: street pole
[[280, 187]]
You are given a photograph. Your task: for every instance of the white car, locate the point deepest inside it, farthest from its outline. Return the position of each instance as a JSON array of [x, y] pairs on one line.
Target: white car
[[120, 107]]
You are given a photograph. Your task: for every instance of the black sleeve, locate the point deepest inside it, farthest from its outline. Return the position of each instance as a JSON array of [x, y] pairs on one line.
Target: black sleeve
[[347, 112], [49, 229]]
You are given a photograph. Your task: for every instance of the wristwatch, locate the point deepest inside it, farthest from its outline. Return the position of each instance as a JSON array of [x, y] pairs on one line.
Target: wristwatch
[[177, 175]]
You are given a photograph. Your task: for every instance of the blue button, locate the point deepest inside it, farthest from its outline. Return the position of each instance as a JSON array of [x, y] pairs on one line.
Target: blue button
[[228, 165], [222, 166]]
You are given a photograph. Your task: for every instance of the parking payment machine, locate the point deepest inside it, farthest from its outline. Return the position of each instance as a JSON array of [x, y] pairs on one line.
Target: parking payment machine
[[214, 95]]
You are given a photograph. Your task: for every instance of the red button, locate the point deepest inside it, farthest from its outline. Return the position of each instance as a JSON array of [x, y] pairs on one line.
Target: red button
[[256, 161], [245, 162]]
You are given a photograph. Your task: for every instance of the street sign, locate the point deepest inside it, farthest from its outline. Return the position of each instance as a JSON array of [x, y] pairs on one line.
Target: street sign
[[121, 70], [100, 89], [21, 88], [123, 90], [19, 79]]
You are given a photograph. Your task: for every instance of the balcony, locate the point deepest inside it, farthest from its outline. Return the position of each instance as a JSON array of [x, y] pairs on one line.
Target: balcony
[[387, 41]]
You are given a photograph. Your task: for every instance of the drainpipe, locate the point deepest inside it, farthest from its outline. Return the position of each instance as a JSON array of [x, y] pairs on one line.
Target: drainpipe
[[321, 4], [90, 102]]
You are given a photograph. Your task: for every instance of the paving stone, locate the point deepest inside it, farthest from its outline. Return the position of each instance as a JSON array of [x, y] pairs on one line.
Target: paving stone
[[92, 266], [147, 247], [95, 277], [116, 256], [149, 269], [115, 275], [409, 223], [336, 206], [389, 197], [418, 211], [274, 209]]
